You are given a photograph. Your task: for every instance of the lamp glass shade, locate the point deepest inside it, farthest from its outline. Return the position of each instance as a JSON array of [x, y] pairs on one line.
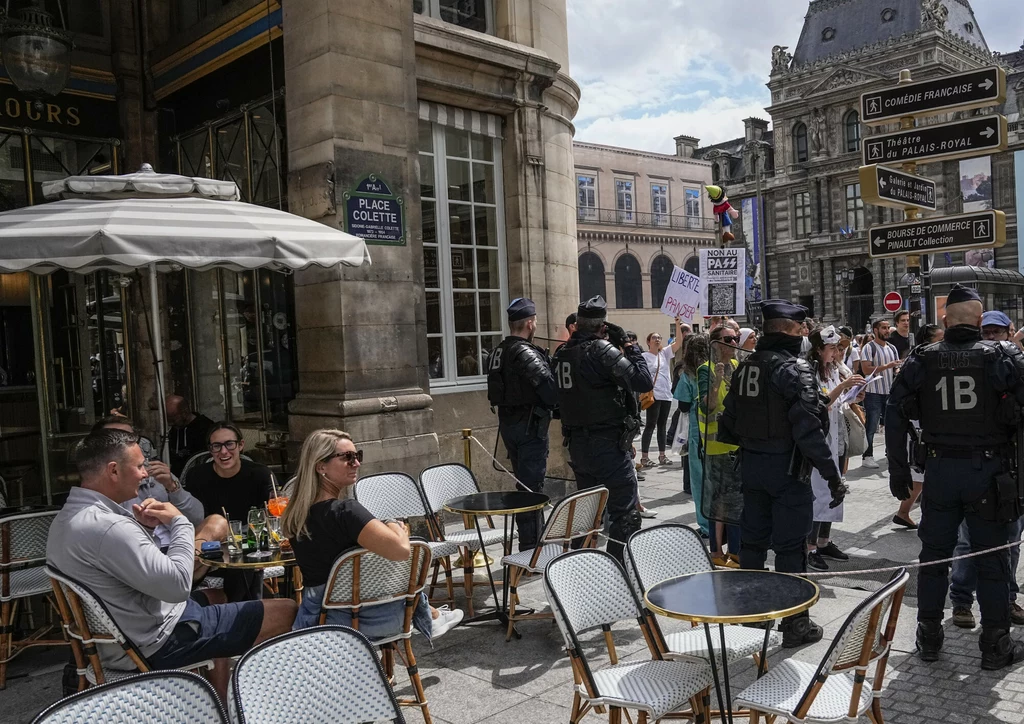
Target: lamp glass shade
[[37, 58]]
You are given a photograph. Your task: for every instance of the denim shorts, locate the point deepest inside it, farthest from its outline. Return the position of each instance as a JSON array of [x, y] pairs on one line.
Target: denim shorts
[[207, 631], [375, 622]]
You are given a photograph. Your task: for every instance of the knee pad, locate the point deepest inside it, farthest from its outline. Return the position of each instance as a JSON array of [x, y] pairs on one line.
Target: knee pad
[[625, 526]]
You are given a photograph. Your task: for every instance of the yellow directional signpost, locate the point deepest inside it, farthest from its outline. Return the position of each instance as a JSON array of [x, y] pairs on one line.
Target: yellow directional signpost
[[912, 144]]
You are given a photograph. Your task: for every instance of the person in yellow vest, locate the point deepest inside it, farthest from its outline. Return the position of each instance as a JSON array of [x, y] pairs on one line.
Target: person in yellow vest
[[723, 495]]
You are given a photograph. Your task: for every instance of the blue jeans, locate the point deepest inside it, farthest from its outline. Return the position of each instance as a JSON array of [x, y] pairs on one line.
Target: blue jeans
[[375, 622], [874, 410], [964, 577]]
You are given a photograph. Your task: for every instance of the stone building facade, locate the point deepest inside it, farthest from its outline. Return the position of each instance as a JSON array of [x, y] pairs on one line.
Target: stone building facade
[[638, 215], [463, 107], [815, 219]]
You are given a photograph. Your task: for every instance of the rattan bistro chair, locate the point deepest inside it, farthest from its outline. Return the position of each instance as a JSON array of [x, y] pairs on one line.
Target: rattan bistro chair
[[829, 692], [22, 574], [89, 626], [158, 697], [577, 519], [396, 495], [319, 675], [671, 550], [441, 483], [360, 579], [588, 589]]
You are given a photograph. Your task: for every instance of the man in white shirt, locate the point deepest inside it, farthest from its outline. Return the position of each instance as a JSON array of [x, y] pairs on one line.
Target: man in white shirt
[[880, 358]]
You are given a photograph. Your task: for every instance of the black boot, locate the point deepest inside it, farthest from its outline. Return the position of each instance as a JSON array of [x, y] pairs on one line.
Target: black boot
[[799, 630], [929, 640], [998, 650]]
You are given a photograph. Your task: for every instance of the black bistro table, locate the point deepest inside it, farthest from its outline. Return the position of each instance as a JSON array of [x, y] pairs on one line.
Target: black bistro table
[[505, 503], [732, 596]]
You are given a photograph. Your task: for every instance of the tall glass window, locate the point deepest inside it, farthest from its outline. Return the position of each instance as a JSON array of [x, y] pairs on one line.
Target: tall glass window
[[802, 214], [463, 251], [473, 14], [852, 131], [586, 203], [854, 207], [624, 199], [659, 204], [661, 275], [628, 289], [799, 143], [693, 208]]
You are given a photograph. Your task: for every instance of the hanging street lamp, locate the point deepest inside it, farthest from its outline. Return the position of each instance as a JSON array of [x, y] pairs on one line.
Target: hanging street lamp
[[36, 54]]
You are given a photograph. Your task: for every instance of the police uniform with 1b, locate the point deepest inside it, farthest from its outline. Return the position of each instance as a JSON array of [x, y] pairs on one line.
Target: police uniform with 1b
[[597, 381], [520, 384], [966, 392], [775, 412]]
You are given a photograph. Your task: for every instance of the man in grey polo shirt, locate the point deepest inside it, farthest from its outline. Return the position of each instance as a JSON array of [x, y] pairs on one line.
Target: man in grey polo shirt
[[111, 551]]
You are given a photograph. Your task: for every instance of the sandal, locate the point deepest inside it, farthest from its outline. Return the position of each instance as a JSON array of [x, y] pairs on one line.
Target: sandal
[[663, 459], [647, 463]]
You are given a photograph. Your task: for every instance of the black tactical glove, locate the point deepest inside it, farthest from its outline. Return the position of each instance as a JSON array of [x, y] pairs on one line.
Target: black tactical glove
[[900, 486], [838, 488], [616, 334]]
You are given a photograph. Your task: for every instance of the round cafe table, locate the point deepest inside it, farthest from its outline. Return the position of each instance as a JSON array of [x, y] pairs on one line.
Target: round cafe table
[[505, 503], [732, 596], [244, 562]]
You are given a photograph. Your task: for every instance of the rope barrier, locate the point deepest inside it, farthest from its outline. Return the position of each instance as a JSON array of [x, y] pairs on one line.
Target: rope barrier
[[808, 574]]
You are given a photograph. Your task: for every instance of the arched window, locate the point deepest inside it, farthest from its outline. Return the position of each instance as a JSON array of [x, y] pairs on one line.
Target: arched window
[[661, 275], [591, 276], [692, 265], [800, 143], [628, 292], [852, 126]]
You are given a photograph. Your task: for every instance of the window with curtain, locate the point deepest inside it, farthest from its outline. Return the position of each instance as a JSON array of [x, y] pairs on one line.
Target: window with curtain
[[800, 143], [659, 203], [628, 288], [624, 199], [586, 204], [463, 251]]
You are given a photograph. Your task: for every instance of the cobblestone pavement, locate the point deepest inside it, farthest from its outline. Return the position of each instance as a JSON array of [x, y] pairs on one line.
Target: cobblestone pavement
[[472, 675]]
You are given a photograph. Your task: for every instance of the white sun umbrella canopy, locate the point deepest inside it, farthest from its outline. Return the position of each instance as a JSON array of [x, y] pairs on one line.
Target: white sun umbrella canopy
[[163, 222]]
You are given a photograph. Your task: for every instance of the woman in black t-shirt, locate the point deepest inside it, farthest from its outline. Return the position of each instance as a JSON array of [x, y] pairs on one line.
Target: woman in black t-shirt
[[321, 527]]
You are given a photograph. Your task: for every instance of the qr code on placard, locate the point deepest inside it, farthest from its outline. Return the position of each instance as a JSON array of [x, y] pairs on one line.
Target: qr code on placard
[[721, 299]]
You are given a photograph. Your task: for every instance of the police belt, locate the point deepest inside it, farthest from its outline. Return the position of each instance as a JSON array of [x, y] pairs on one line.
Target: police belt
[[961, 453]]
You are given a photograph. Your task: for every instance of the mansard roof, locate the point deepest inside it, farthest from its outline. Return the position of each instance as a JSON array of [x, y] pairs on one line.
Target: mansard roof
[[832, 27]]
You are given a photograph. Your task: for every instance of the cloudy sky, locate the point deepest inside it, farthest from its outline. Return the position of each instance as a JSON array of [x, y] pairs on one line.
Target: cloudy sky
[[654, 69]]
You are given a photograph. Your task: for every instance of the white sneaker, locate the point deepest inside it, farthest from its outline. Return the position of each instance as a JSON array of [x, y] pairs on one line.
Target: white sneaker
[[446, 620], [869, 462]]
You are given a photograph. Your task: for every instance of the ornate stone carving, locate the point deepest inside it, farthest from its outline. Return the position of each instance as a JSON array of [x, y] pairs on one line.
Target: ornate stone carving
[[934, 14], [1020, 98], [781, 58], [819, 132]]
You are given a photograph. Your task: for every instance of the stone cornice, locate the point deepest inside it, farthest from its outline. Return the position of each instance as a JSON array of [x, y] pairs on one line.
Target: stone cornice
[[637, 237], [640, 154]]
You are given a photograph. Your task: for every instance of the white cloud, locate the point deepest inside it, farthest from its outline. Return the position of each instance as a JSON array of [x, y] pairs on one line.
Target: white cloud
[[716, 120], [650, 67]]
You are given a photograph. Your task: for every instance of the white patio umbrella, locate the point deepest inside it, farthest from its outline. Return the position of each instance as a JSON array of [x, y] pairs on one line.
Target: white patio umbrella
[[163, 222]]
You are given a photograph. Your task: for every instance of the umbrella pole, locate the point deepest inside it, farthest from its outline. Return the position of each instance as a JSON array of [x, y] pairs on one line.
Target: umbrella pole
[[158, 359]]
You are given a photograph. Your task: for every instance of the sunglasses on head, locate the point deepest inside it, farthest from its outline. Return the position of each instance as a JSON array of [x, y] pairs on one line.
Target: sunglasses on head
[[216, 447], [349, 456]]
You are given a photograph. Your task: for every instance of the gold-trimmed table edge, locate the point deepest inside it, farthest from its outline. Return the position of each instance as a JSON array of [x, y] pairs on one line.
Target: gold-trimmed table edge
[[243, 564], [758, 618], [509, 511]]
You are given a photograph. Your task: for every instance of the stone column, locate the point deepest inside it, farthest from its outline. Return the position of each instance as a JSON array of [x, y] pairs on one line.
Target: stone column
[[352, 111]]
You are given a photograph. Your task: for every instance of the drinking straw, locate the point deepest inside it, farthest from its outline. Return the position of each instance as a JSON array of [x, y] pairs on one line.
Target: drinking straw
[[273, 484]]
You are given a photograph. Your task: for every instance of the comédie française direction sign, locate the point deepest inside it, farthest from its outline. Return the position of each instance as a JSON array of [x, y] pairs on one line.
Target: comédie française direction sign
[[943, 142], [979, 230], [883, 186], [962, 91]]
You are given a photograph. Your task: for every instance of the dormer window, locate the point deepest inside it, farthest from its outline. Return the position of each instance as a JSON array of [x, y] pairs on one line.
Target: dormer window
[[969, 27], [888, 15], [828, 34]]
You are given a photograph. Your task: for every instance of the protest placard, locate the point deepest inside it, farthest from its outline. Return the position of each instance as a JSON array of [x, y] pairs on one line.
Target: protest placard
[[723, 277], [682, 296]]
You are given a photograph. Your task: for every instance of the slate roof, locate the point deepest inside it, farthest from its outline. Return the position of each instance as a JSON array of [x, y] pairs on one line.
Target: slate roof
[[858, 23], [734, 149]]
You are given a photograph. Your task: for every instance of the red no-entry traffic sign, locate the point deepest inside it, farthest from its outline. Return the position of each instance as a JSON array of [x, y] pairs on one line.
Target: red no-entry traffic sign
[[893, 301]]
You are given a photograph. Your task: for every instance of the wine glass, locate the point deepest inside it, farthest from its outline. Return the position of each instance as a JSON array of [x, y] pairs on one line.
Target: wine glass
[[257, 522]]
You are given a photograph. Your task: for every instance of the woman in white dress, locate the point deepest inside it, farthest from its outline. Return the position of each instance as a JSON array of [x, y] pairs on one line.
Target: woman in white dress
[[833, 379]]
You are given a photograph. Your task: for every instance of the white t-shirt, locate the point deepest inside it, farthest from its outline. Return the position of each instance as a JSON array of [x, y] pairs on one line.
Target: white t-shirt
[[663, 382]]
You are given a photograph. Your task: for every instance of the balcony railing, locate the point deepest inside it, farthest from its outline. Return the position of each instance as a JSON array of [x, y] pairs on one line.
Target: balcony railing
[[617, 217]]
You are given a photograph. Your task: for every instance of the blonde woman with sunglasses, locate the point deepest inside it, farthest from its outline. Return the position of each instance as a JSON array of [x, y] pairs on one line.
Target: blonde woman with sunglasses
[[321, 526]]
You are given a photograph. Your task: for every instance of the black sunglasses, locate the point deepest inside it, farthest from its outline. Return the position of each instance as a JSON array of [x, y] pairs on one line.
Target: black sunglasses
[[730, 340], [348, 456]]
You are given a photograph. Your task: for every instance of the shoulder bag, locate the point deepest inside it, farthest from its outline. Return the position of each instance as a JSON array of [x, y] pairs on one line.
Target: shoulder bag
[[647, 398]]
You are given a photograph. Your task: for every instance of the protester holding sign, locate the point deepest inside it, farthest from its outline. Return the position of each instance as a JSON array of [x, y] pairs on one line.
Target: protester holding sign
[[659, 362]]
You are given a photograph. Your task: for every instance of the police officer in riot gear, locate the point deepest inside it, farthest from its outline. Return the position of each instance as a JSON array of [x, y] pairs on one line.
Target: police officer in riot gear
[[966, 393], [598, 373], [521, 386], [776, 413]]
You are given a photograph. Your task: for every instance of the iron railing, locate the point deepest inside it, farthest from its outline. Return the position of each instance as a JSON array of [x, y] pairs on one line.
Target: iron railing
[[619, 217]]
